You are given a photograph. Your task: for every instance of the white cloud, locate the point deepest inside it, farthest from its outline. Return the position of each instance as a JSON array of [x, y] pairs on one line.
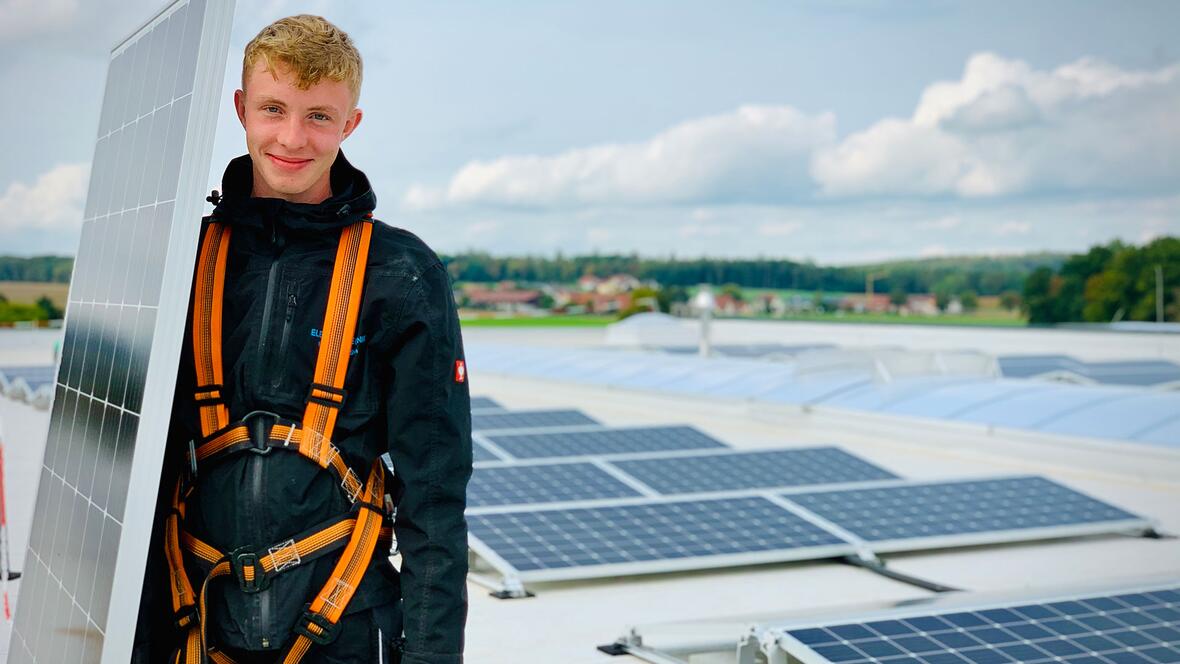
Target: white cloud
[[755, 153], [1006, 129], [418, 197], [53, 202], [933, 250], [1002, 130]]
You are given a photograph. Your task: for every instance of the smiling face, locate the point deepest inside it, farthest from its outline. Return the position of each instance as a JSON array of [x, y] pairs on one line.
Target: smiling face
[[293, 135]]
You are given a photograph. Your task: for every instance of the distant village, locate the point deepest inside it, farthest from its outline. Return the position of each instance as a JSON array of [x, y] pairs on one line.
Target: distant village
[[623, 293]]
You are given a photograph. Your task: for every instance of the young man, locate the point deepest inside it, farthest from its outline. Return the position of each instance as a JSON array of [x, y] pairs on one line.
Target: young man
[[272, 542]]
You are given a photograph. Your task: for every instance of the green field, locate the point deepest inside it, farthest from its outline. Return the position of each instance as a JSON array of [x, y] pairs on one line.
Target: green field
[[981, 319], [542, 321], [28, 292]]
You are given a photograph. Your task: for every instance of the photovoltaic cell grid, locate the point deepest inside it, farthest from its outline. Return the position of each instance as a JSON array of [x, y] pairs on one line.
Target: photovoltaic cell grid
[[893, 518], [35, 377], [115, 293], [751, 470], [602, 441], [529, 419], [548, 483], [956, 508], [481, 453], [595, 536], [1122, 372], [1138, 627], [484, 403]]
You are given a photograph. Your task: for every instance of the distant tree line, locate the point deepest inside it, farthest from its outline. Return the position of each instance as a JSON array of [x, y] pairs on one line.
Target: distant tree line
[[36, 268], [981, 275], [1107, 283], [14, 312]]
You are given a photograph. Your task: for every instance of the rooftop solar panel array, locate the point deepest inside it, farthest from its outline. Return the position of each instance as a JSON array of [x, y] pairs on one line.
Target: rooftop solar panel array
[[694, 471], [485, 403], [751, 470], [702, 531], [480, 452], [30, 384], [1122, 372], [35, 377], [529, 419], [549, 483], [84, 567], [958, 508], [1115, 628], [896, 515], [602, 441], [585, 502]]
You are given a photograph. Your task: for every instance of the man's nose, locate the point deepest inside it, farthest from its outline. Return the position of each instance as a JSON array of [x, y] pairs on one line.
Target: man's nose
[[292, 135]]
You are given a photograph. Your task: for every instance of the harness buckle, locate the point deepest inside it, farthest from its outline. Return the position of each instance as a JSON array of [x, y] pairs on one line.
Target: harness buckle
[[188, 474], [186, 617], [259, 423], [329, 396], [248, 570], [327, 629]]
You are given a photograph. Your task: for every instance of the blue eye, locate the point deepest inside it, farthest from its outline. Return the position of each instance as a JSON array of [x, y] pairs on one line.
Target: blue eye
[[268, 108], [321, 117]]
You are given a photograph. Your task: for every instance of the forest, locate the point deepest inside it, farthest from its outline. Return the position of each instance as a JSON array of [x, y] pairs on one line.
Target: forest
[[1109, 282]]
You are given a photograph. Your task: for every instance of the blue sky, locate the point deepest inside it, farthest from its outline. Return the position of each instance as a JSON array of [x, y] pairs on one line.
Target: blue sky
[[837, 131]]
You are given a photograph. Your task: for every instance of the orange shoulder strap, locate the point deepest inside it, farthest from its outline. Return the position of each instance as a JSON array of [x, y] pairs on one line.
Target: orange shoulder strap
[[207, 300], [326, 395]]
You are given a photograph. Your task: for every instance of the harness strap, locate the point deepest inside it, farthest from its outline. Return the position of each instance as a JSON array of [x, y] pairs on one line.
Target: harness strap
[[312, 439], [326, 395], [284, 435], [255, 569], [207, 301], [319, 621]]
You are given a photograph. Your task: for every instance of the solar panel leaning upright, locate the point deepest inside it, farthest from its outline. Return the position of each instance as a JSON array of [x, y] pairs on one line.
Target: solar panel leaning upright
[[124, 326]]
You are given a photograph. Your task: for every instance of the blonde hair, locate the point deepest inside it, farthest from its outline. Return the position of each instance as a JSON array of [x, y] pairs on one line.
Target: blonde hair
[[311, 47]]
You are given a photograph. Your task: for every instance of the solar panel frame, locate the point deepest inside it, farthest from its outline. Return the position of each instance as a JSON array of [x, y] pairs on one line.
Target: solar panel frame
[[487, 404], [1131, 524], [530, 443], [123, 330], [942, 622], [851, 543], [834, 548], [481, 453], [534, 484], [748, 469], [531, 420]]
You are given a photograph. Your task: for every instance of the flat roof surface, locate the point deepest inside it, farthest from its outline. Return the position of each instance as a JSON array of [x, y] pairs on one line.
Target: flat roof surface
[[565, 621]]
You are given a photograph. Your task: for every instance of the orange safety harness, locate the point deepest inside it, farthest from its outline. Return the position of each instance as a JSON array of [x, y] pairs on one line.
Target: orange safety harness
[[358, 532]]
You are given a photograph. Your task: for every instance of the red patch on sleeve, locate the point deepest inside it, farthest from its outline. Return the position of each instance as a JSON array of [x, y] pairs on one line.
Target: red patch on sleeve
[[460, 371]]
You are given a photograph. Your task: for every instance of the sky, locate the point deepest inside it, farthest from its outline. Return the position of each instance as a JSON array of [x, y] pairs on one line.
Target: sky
[[838, 131]]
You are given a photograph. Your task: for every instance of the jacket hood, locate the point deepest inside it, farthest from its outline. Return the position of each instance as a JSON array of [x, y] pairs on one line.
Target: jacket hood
[[352, 198]]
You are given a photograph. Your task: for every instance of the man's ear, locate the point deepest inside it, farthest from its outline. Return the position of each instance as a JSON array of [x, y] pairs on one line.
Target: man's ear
[[351, 123], [240, 106]]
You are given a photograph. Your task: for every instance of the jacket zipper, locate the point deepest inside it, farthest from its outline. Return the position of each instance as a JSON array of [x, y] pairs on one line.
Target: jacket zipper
[[264, 598], [258, 470], [290, 315], [266, 306]]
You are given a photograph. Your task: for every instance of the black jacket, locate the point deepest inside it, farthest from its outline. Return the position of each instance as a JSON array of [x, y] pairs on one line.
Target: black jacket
[[403, 397]]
